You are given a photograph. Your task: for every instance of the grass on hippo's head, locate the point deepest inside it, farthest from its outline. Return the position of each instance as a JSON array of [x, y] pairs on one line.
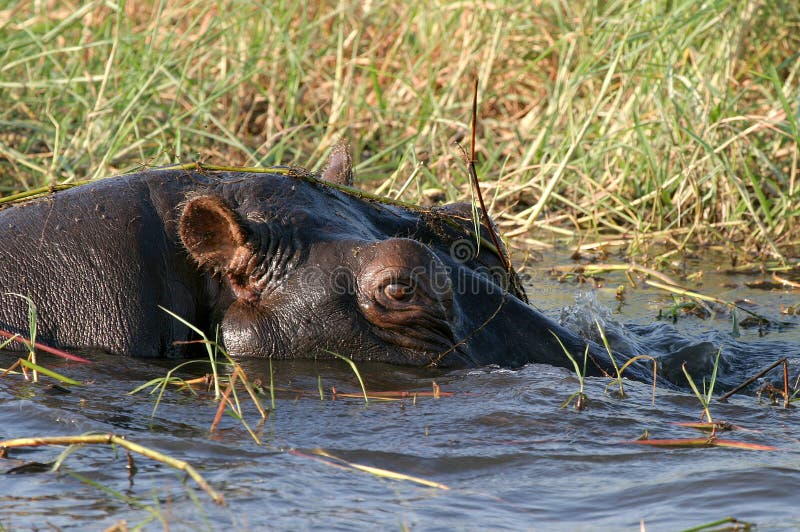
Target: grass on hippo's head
[[678, 119]]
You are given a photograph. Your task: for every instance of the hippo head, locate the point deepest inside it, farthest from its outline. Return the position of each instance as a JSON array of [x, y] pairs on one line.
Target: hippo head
[[307, 268]]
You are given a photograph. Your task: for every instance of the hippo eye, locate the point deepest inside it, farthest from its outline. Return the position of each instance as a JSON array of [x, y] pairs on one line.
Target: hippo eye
[[399, 291]]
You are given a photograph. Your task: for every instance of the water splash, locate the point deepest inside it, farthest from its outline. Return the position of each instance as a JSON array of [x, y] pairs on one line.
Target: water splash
[[673, 348]]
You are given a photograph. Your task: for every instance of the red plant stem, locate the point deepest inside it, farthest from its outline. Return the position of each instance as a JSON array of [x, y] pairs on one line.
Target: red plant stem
[[473, 175], [45, 348], [224, 402]]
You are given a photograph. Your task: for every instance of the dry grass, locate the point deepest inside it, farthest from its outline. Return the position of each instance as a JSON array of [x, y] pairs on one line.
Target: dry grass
[[676, 120]]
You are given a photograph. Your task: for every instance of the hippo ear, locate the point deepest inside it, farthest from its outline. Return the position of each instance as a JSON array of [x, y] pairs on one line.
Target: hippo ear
[[339, 166], [212, 232]]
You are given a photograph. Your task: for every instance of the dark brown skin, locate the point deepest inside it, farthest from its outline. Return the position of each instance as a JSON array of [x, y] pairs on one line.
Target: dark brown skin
[[287, 265]]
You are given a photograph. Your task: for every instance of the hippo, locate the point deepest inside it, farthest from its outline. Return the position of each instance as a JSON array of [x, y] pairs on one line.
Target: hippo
[[278, 262]]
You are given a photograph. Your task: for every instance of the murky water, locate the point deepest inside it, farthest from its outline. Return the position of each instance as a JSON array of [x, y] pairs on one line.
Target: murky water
[[510, 455]]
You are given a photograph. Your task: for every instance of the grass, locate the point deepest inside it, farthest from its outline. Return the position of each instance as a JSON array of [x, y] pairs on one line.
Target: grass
[[355, 370], [114, 440], [634, 121], [32, 325], [728, 523], [579, 397], [676, 120], [707, 395], [32, 345], [226, 404], [335, 461], [710, 426], [212, 349]]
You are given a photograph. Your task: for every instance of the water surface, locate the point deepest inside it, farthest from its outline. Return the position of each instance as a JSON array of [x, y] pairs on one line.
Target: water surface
[[510, 455]]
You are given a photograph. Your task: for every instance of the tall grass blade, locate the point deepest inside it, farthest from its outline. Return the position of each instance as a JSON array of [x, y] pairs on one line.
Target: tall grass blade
[[210, 349], [355, 370]]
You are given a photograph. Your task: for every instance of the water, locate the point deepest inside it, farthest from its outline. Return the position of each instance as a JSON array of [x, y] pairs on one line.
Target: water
[[510, 455]]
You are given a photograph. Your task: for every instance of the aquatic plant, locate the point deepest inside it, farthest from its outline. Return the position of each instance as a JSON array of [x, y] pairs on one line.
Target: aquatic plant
[[227, 399], [32, 323], [335, 461], [711, 426], [355, 370], [728, 523], [32, 345], [212, 348], [705, 397], [114, 440], [580, 398]]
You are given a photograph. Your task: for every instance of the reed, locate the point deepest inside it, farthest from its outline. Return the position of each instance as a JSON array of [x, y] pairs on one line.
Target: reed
[[616, 120]]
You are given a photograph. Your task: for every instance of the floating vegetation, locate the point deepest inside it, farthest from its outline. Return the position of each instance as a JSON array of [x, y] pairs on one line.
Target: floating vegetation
[[728, 524], [703, 443], [227, 399], [114, 440], [335, 461], [711, 426]]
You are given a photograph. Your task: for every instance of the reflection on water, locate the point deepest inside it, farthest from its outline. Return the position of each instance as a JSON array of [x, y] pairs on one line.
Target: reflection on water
[[511, 456]]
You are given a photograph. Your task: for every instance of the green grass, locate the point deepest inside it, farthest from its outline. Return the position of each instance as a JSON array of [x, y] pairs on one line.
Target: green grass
[[673, 120], [707, 395], [580, 398]]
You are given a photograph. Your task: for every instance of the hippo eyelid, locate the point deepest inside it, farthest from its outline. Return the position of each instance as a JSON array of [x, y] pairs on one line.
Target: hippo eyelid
[[400, 291]]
